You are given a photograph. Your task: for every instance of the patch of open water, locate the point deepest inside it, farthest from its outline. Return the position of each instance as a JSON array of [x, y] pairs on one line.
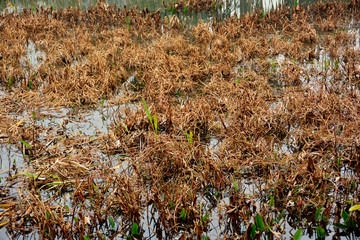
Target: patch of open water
[[93, 123], [11, 163], [33, 58]]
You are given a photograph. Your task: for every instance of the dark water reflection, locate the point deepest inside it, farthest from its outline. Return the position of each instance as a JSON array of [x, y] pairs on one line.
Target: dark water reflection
[[230, 7]]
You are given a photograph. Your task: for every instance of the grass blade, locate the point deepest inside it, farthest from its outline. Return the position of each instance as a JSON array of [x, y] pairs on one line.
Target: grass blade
[[354, 208], [135, 230], [25, 143], [259, 222], [298, 234], [147, 112], [155, 124], [111, 221]]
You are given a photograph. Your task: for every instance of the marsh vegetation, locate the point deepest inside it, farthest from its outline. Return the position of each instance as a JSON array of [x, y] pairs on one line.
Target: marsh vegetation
[[123, 123]]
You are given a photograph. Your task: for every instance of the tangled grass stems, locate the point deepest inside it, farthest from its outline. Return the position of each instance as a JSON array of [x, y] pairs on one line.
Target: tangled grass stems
[[256, 124]]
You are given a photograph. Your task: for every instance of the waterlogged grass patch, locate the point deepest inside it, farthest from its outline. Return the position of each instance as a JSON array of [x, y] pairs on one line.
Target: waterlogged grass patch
[[237, 128]]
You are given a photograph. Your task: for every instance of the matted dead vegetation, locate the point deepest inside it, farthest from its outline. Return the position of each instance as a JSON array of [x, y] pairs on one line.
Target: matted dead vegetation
[[232, 129]]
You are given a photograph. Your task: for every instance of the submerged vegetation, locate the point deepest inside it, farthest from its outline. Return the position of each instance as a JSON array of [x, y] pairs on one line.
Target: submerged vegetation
[[244, 128]]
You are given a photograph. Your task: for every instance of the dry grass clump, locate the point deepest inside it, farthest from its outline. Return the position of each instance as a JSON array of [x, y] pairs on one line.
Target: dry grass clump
[[236, 127], [77, 57], [5, 121], [188, 7]]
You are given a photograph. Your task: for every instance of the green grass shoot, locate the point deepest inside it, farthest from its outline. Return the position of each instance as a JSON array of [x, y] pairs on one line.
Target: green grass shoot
[[153, 120]]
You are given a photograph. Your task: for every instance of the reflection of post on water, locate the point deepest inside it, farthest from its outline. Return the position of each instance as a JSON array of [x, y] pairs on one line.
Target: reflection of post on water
[[240, 7], [271, 4], [243, 6]]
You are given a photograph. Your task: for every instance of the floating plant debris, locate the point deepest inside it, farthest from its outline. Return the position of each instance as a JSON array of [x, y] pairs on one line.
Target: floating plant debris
[[119, 123]]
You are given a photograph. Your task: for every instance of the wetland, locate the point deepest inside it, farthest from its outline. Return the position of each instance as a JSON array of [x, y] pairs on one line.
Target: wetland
[[183, 120]]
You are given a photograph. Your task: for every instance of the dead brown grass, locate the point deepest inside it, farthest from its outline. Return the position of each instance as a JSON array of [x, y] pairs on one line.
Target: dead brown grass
[[265, 102]]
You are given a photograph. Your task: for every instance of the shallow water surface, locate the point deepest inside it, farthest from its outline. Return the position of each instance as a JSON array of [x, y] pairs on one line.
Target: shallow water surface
[[11, 161], [229, 8]]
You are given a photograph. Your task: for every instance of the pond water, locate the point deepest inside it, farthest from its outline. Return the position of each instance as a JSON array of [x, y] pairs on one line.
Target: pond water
[[230, 7]]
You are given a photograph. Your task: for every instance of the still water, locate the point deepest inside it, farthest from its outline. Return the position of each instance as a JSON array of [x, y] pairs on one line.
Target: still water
[[229, 7]]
